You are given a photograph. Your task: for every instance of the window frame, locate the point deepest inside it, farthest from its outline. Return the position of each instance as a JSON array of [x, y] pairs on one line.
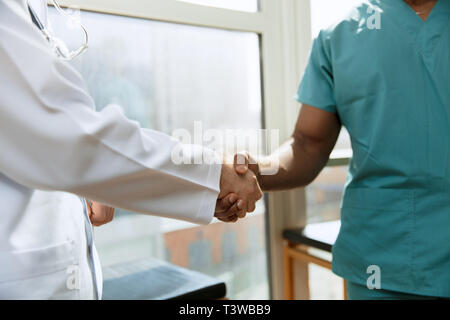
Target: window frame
[[284, 28]]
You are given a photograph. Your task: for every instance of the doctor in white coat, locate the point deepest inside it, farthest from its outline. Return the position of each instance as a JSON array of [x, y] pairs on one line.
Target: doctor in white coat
[[55, 150]]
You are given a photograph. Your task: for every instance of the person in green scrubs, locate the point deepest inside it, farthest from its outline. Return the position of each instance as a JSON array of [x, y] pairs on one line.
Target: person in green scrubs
[[383, 73]]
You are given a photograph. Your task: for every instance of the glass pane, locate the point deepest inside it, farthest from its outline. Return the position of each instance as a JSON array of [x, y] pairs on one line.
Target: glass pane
[[324, 12], [343, 142], [323, 284], [323, 196], [167, 76], [241, 5], [323, 201]]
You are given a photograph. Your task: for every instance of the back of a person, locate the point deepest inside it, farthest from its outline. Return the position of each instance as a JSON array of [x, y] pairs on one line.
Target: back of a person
[[391, 84]]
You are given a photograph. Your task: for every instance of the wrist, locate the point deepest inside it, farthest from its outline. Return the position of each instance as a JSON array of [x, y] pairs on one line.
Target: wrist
[[265, 169]]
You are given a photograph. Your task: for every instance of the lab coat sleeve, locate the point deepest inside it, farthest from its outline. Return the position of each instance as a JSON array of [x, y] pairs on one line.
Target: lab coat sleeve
[[52, 139]]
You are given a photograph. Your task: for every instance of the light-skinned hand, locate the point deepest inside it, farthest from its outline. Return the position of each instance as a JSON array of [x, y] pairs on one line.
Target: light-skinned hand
[[99, 214], [239, 193]]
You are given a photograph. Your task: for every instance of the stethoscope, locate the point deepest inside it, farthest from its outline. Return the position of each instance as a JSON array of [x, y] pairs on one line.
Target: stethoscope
[[59, 47], [35, 18]]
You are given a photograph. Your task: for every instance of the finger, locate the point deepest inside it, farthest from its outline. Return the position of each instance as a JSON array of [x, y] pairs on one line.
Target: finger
[[101, 214], [110, 214], [241, 214], [98, 215], [239, 209], [257, 195], [241, 204], [98, 220], [251, 206], [259, 192], [241, 162], [229, 219], [232, 212], [236, 209], [224, 204]]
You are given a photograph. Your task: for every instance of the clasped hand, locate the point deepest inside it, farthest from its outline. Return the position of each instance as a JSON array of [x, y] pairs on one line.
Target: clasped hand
[[239, 192], [99, 214], [239, 189]]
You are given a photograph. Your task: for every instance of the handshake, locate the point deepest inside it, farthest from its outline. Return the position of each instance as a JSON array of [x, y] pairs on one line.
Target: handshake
[[239, 192], [239, 189]]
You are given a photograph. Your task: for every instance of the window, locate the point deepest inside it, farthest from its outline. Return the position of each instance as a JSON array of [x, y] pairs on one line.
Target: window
[[240, 5]]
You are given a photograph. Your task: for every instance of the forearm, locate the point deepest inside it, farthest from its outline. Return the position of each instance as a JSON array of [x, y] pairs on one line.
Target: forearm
[[299, 163]]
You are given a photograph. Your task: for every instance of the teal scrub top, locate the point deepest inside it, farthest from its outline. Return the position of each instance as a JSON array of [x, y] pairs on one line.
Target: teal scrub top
[[391, 90]]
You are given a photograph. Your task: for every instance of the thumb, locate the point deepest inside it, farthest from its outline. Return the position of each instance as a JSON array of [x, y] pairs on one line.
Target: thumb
[[241, 162]]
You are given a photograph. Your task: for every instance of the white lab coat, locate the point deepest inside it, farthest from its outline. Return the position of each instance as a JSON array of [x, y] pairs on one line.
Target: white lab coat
[[54, 148]]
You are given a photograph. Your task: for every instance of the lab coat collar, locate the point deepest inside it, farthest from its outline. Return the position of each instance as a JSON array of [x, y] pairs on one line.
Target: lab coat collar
[[40, 7]]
